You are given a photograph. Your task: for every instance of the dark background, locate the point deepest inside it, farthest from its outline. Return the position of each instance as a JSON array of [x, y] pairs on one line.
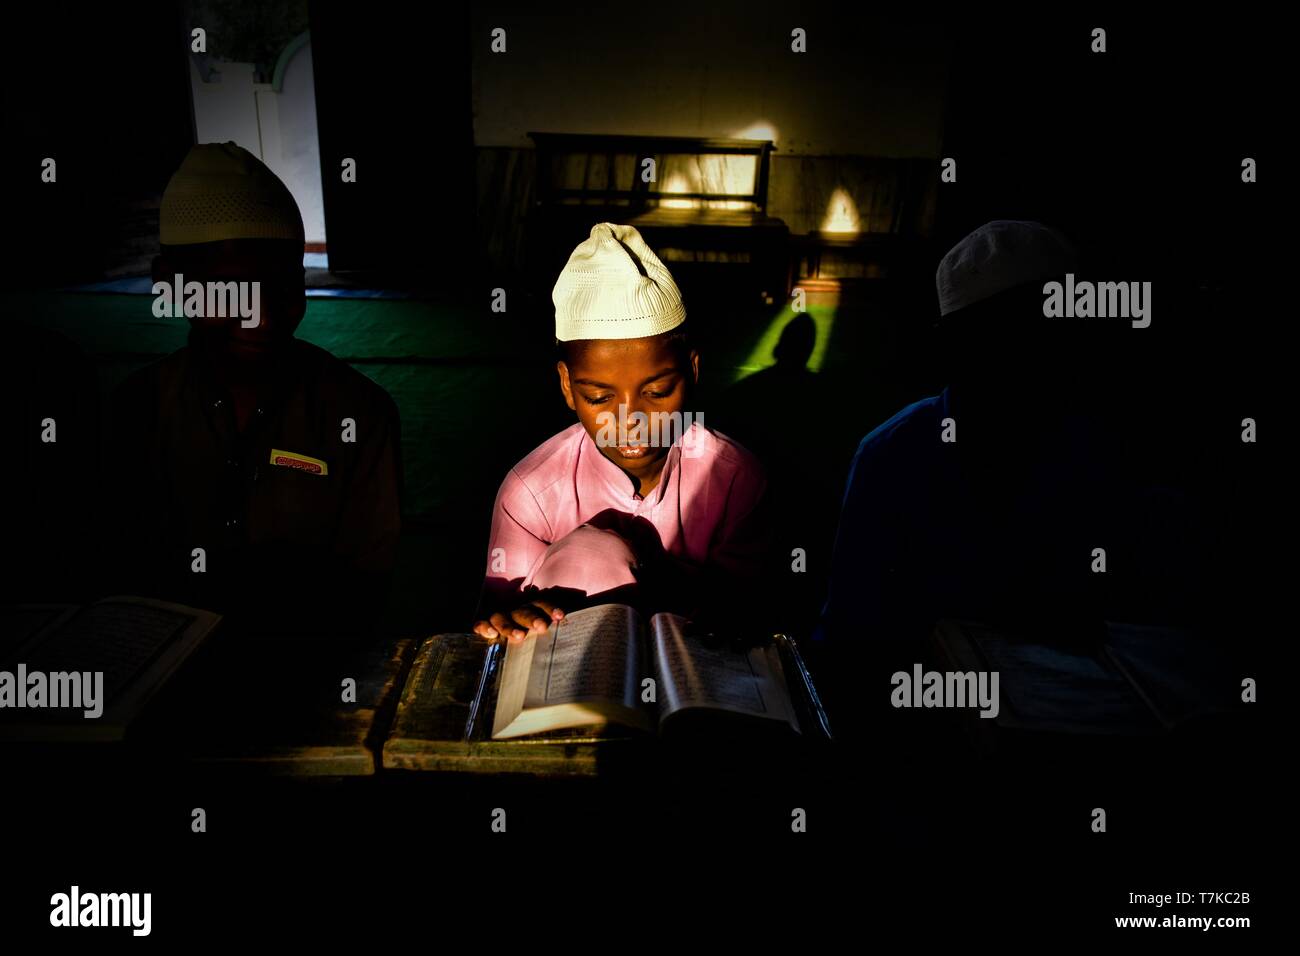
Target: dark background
[[1136, 154]]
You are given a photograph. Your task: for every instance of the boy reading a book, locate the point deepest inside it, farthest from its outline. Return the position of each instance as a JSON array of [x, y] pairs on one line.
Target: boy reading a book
[[638, 502]]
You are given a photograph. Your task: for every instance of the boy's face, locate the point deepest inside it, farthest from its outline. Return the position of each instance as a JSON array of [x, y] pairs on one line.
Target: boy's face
[[275, 264], [618, 385]]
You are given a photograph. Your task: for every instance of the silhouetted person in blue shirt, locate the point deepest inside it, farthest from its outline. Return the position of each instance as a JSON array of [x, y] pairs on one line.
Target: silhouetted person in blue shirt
[[985, 501]]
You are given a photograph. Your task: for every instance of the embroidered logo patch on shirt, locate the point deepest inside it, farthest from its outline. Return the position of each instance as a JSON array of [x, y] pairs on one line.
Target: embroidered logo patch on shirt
[[291, 459]]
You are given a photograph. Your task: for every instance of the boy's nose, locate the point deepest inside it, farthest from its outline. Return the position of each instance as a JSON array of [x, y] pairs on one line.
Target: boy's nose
[[629, 410], [632, 415]]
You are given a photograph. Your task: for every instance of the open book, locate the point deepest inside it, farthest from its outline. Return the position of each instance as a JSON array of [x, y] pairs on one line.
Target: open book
[[110, 656], [1135, 680], [605, 665]]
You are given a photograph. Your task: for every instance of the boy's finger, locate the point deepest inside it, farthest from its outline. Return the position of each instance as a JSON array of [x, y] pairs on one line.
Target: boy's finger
[[507, 628], [551, 610], [485, 630], [532, 618]]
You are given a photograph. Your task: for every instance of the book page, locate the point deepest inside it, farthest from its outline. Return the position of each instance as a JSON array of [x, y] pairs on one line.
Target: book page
[[513, 685], [135, 642], [585, 670], [1064, 688], [115, 637], [590, 655], [694, 675], [1180, 673], [20, 623]]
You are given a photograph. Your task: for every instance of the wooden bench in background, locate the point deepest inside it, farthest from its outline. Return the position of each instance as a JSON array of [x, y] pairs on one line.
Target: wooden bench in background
[[705, 235]]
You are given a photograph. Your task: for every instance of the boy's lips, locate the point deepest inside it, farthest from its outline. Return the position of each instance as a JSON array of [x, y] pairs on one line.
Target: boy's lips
[[633, 451]]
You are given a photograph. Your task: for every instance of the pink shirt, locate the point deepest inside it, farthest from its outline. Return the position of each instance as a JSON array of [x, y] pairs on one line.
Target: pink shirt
[[701, 508]]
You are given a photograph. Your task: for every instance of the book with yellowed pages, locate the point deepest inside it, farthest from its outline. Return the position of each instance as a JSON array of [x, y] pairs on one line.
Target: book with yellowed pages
[[605, 666], [84, 673]]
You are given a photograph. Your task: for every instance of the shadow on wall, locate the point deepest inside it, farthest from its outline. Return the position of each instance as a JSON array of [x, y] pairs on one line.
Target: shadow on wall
[[784, 415]]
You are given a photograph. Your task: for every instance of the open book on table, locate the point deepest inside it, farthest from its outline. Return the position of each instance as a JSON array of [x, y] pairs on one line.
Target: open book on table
[[1134, 680], [605, 665], [130, 645]]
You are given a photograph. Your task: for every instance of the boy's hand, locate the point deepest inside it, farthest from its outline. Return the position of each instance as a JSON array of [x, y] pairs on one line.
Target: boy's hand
[[532, 618]]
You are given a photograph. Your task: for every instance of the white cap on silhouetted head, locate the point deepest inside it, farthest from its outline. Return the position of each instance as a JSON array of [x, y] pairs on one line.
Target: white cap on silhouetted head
[[998, 256], [222, 191], [615, 287]]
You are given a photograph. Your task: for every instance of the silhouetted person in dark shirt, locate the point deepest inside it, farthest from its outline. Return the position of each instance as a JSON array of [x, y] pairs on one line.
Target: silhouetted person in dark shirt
[[983, 502], [255, 473]]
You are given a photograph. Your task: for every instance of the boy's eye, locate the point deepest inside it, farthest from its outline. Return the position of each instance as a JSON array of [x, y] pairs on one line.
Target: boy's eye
[[658, 394], [596, 399]]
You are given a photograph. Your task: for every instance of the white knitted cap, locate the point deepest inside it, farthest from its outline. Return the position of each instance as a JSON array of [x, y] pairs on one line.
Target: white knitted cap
[[222, 191], [615, 287], [998, 256]]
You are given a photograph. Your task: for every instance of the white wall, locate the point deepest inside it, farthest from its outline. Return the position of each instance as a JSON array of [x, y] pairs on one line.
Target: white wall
[[277, 127]]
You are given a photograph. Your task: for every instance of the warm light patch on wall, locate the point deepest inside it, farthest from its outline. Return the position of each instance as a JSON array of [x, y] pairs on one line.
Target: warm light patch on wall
[[736, 175], [760, 129], [841, 214], [676, 183], [742, 169]]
